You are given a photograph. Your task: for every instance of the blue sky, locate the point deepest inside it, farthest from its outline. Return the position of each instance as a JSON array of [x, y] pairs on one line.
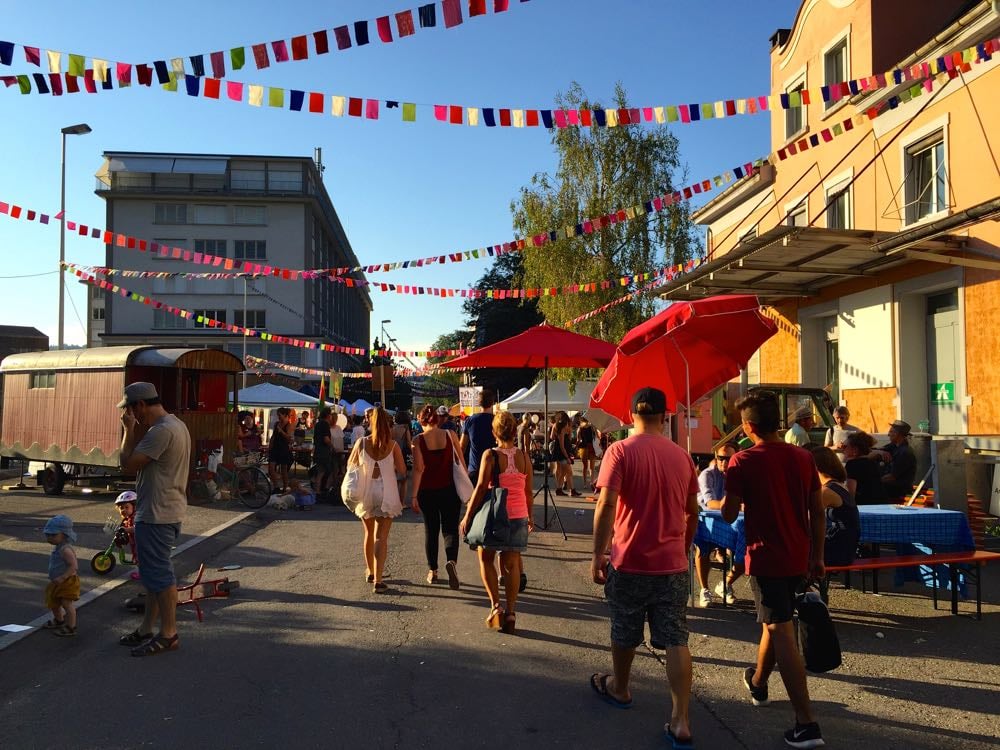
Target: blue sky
[[402, 190]]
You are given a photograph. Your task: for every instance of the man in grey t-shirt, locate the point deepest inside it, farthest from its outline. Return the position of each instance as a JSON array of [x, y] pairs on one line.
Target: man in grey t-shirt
[[156, 447]]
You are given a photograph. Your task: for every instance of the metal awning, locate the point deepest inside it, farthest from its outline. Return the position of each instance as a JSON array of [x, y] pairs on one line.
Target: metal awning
[[797, 262], [165, 165]]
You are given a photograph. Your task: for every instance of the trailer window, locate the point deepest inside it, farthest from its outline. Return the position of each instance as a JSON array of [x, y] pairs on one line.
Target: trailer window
[[43, 379]]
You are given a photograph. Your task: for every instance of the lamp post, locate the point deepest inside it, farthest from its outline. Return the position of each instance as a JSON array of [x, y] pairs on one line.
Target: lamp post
[[81, 129], [381, 372]]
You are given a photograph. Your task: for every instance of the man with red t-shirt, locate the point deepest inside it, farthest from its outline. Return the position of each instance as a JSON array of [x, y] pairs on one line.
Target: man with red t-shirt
[[649, 500], [778, 487]]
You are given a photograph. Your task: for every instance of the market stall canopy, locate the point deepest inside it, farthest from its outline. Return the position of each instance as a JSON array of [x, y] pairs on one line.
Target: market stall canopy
[[542, 346], [361, 406], [270, 396], [533, 400], [515, 394]]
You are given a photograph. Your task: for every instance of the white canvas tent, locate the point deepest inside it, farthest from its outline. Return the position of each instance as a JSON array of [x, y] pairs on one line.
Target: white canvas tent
[[271, 396], [517, 394], [361, 406], [533, 400]]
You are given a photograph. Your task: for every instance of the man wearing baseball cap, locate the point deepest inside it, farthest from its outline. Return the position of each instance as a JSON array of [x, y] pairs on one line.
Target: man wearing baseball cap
[[156, 447], [899, 461], [648, 513], [798, 431]]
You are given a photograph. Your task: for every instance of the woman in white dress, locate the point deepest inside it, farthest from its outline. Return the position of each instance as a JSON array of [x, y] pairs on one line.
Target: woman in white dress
[[375, 497]]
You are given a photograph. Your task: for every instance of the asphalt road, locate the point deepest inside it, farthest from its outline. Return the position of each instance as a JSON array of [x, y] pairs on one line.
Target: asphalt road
[[304, 655]]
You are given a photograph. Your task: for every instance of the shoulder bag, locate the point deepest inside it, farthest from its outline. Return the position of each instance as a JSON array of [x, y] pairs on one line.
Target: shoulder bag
[[490, 526], [817, 638], [460, 477], [355, 485]]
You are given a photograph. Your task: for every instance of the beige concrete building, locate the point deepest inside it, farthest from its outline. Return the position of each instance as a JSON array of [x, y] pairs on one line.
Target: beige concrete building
[[879, 250], [265, 209]]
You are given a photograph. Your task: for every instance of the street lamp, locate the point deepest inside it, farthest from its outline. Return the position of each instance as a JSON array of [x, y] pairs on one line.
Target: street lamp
[[381, 371], [81, 129]]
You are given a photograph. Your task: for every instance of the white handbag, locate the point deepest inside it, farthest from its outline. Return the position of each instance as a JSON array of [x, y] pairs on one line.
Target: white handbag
[[598, 450], [463, 485]]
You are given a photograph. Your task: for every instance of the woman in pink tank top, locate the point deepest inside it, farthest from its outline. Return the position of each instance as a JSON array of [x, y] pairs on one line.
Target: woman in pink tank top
[[515, 476]]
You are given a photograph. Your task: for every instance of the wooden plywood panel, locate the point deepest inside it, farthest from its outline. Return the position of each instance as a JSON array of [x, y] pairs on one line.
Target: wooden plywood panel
[[212, 428], [872, 409], [982, 364], [779, 356]]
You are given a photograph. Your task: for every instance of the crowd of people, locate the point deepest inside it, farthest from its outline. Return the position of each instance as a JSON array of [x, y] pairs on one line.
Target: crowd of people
[[799, 502]]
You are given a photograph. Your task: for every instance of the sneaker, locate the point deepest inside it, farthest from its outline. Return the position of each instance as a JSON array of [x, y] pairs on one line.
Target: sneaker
[[705, 599], [728, 596], [804, 736], [758, 695]]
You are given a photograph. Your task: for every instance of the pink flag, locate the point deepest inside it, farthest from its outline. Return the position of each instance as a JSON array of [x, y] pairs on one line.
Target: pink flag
[[371, 109], [234, 90], [440, 112], [452, 13]]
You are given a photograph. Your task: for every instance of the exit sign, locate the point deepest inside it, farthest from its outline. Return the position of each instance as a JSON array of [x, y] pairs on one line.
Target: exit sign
[[943, 393]]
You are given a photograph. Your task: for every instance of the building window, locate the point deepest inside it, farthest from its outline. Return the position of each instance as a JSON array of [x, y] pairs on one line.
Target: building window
[[835, 69], [43, 380], [217, 315], [170, 213], [209, 183], [254, 215], [795, 120], [750, 234], [249, 179], [250, 249], [798, 216], [97, 313], [254, 319], [97, 292], [926, 178], [164, 320], [211, 247], [204, 214], [838, 209]]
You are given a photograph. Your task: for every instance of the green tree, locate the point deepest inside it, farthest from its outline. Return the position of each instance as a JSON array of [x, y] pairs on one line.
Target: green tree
[[600, 171]]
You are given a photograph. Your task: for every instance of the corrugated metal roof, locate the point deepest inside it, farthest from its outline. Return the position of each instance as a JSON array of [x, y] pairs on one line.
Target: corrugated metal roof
[[113, 357], [98, 358]]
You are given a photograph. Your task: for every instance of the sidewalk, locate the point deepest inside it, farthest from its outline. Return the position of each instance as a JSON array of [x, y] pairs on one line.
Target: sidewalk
[[303, 652]]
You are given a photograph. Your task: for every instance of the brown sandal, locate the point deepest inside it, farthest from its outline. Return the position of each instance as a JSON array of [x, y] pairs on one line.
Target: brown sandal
[[509, 623], [157, 645], [495, 618]]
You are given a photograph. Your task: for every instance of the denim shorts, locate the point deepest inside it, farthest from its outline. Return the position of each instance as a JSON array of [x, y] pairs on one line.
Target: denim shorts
[[152, 546], [660, 600]]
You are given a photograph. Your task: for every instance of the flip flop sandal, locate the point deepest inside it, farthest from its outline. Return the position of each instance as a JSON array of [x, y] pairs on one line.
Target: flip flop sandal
[[599, 684], [452, 570], [135, 638], [157, 645], [676, 742], [53, 624], [65, 632]]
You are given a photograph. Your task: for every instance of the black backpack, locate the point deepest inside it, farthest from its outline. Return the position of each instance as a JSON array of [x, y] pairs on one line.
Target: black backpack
[[816, 635]]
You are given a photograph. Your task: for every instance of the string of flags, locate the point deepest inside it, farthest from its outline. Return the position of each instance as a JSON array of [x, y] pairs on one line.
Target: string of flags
[[370, 108], [102, 71], [622, 300], [261, 364], [207, 322], [584, 227], [412, 289]]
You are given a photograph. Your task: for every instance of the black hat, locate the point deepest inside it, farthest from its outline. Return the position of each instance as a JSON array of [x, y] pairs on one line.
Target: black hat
[[649, 401]]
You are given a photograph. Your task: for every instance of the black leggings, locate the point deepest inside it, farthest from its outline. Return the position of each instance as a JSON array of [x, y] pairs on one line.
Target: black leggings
[[440, 509]]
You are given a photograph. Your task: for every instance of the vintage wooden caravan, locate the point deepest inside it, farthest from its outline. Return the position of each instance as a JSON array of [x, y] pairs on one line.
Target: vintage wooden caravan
[[59, 406]]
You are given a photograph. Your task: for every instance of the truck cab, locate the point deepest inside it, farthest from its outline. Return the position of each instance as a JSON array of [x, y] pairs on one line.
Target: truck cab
[[790, 399]]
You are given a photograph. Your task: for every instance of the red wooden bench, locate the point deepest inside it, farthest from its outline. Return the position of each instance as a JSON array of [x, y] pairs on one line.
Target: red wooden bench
[[975, 560]]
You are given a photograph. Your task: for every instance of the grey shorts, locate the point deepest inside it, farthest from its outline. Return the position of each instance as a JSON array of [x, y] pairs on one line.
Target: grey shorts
[[152, 546], [660, 600], [775, 597]]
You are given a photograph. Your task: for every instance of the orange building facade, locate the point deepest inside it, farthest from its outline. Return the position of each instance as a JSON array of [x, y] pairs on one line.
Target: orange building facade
[[879, 250]]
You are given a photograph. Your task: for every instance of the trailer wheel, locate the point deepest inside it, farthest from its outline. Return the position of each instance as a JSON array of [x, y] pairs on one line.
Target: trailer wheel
[[53, 479], [102, 563]]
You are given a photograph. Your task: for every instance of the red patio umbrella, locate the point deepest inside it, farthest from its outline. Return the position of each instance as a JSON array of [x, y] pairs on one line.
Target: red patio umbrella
[[540, 347], [686, 351]]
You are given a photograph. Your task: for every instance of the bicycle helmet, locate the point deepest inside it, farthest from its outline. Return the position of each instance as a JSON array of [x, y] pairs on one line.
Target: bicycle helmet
[[128, 496]]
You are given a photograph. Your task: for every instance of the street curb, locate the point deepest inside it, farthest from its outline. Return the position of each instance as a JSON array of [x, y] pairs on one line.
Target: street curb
[[11, 638]]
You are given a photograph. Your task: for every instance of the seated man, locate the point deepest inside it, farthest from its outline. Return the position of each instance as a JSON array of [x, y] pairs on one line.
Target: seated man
[[711, 491], [899, 462]]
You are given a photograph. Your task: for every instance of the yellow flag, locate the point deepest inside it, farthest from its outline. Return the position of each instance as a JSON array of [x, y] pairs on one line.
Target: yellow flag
[[337, 106], [612, 115], [518, 117], [256, 95], [473, 115], [660, 117], [55, 61], [177, 65], [720, 109], [100, 70]]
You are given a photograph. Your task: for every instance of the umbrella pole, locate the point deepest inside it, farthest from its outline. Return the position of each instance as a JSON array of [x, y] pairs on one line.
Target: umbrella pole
[[687, 384], [544, 489]]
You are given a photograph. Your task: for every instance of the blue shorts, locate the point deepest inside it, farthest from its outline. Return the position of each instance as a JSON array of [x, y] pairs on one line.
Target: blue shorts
[[152, 545]]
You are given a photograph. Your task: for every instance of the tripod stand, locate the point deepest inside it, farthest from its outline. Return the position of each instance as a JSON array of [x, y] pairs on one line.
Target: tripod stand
[[547, 495]]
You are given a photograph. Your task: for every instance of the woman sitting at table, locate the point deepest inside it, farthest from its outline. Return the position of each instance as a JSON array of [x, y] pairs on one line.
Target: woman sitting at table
[[863, 479], [843, 524]]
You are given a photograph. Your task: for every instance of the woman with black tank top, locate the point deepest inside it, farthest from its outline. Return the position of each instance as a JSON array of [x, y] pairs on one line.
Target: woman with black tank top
[[434, 495], [843, 524]]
